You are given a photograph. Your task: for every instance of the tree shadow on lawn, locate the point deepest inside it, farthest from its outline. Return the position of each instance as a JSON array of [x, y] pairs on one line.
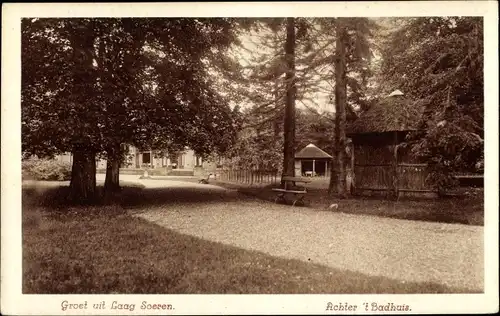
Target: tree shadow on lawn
[[56, 197], [150, 197]]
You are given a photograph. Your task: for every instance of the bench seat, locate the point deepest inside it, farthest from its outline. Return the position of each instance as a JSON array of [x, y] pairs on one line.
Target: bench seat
[[289, 191], [299, 192]]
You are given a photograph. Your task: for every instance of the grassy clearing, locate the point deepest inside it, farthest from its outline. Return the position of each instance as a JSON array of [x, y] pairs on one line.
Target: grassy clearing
[[102, 249], [461, 210]]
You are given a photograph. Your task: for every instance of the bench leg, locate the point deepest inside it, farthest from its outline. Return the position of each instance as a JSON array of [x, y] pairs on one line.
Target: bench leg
[[299, 199], [279, 197]]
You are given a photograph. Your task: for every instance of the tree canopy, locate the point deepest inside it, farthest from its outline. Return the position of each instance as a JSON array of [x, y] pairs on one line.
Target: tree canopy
[[94, 84], [439, 61]]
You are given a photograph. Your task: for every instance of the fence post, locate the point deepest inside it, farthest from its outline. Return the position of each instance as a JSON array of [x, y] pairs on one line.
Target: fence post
[[395, 176]]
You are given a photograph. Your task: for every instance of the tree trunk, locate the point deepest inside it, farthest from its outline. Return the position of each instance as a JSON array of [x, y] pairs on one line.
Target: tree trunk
[[289, 121], [277, 105], [338, 175], [278, 116], [112, 181], [83, 171]]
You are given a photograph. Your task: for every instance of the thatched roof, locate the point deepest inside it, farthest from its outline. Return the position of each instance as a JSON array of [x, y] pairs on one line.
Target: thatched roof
[[392, 113], [311, 151]]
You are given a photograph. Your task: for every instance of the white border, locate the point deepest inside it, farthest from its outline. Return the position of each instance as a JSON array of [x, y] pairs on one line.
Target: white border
[[13, 302]]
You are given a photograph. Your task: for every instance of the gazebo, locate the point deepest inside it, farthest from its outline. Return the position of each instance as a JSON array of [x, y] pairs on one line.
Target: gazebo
[[312, 161], [380, 163]]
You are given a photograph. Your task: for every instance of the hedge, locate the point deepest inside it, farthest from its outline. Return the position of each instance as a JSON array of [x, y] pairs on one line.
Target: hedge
[[43, 169]]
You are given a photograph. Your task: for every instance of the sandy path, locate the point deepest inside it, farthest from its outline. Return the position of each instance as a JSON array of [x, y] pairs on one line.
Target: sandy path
[[449, 254]]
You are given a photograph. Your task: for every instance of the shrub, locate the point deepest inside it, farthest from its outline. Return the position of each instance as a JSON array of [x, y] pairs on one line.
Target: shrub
[[43, 169]]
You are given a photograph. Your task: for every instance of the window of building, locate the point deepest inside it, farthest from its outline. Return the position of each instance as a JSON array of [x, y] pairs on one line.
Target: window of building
[[146, 158]]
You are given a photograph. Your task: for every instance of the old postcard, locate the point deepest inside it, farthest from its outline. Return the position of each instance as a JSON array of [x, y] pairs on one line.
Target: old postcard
[[250, 158]]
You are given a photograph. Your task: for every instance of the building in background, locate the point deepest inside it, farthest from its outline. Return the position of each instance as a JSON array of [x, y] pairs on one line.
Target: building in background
[[312, 161], [184, 163]]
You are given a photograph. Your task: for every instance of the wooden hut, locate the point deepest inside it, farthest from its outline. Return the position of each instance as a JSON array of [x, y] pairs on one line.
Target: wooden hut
[[312, 161], [381, 165]]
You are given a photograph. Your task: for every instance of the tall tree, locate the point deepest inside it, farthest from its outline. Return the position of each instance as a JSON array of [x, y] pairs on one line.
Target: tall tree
[[289, 120], [263, 85], [338, 170], [345, 44]]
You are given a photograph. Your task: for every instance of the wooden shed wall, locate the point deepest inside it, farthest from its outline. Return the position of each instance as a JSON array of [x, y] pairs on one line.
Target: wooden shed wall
[[378, 169]]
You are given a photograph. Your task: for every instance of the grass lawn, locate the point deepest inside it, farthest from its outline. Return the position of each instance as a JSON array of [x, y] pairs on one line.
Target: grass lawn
[[461, 210], [101, 250]]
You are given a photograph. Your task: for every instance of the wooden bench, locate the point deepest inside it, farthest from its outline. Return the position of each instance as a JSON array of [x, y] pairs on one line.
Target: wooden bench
[[206, 180], [290, 187]]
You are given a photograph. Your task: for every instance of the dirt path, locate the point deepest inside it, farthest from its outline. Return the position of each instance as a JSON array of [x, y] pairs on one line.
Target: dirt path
[[449, 254]]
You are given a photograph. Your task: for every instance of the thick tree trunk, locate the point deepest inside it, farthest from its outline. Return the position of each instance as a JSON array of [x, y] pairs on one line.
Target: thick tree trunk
[[83, 172], [83, 183], [338, 173], [289, 121]]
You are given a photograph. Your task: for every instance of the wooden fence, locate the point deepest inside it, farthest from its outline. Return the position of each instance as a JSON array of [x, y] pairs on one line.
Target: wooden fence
[[251, 177], [403, 179]]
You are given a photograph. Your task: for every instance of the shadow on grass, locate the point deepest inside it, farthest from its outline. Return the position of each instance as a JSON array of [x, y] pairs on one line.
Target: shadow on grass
[[109, 253], [56, 196]]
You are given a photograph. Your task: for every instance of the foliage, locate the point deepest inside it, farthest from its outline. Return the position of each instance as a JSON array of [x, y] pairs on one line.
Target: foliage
[[257, 148], [316, 128], [110, 81], [439, 60], [94, 85], [46, 169], [256, 151]]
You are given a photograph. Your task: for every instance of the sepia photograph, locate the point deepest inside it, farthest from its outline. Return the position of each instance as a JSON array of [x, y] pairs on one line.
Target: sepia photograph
[[251, 155]]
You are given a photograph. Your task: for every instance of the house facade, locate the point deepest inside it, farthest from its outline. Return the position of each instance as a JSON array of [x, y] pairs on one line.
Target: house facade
[[185, 163], [185, 160]]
